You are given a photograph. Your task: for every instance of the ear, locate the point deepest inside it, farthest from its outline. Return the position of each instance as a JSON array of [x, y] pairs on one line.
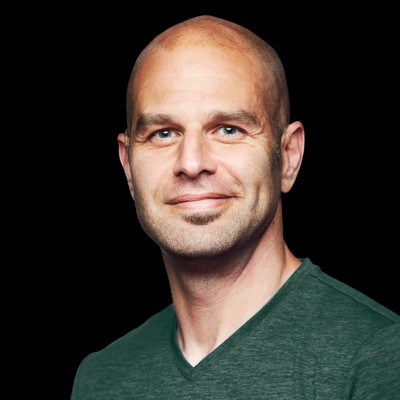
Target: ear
[[292, 147], [123, 149]]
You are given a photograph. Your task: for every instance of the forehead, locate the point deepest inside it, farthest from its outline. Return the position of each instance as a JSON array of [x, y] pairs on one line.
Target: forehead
[[193, 74]]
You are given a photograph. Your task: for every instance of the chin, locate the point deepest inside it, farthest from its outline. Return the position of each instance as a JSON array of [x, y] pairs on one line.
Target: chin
[[199, 243]]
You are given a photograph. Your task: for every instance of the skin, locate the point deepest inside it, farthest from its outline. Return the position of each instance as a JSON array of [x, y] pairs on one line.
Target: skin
[[206, 173]]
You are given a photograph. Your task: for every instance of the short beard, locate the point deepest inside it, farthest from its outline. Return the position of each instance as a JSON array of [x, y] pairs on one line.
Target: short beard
[[202, 219]]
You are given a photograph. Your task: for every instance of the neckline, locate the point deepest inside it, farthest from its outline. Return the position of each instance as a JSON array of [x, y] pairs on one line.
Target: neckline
[[191, 372]]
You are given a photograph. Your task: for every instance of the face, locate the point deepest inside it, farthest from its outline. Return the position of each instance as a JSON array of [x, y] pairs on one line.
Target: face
[[203, 169]]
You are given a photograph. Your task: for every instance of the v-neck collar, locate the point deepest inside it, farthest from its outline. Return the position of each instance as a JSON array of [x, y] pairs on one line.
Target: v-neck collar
[[191, 372]]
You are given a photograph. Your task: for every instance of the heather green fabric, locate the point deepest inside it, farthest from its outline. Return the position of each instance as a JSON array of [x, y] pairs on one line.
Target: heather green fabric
[[317, 338]]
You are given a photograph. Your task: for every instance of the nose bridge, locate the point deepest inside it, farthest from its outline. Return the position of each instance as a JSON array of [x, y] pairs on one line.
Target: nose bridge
[[194, 154]]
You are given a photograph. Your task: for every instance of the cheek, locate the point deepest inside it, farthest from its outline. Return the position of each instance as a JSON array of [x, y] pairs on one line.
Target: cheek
[[256, 168], [262, 176], [140, 177], [148, 174]]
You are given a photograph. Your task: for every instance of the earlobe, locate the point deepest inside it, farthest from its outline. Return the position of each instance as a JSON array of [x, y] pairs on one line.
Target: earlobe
[[123, 149], [292, 154]]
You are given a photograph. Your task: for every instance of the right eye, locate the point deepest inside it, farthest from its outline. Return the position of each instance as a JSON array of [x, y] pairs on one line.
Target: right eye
[[163, 135]]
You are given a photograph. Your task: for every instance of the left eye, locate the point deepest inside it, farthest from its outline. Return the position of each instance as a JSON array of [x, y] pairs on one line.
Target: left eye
[[229, 131]]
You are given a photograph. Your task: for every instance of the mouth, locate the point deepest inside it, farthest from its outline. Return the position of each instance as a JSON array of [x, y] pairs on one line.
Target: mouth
[[199, 202]]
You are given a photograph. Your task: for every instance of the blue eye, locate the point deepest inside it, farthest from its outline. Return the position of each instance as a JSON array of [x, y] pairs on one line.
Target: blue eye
[[229, 131], [164, 134]]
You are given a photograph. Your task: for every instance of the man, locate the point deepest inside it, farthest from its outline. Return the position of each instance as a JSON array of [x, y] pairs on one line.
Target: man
[[207, 153]]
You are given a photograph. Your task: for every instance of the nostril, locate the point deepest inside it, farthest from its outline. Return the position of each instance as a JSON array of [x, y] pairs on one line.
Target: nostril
[[194, 156]]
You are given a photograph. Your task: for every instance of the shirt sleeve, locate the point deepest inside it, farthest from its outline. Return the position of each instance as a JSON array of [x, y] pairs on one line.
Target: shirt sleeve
[[74, 394], [375, 369]]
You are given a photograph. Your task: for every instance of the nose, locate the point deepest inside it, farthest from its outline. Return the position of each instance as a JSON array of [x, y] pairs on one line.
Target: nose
[[194, 155]]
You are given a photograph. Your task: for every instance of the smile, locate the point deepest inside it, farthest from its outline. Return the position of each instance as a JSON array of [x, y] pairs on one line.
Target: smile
[[198, 202]]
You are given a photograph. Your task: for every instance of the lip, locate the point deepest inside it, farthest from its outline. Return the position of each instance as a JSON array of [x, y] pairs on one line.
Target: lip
[[186, 198]]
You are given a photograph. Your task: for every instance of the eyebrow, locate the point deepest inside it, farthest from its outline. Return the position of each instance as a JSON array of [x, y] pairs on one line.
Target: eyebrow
[[144, 120], [243, 116]]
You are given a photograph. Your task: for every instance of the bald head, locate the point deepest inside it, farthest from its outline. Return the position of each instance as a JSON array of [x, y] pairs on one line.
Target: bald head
[[206, 30], [209, 31]]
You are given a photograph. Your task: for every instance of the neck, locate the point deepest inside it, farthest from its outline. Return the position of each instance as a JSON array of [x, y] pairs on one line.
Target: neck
[[211, 302]]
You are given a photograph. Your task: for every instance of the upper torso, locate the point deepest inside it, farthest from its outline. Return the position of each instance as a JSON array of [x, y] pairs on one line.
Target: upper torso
[[315, 339]]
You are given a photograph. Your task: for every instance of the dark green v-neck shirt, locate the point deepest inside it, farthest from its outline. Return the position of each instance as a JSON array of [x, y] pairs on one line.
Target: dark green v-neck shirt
[[317, 338]]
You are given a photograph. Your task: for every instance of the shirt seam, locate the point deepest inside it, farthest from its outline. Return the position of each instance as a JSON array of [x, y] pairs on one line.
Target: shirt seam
[[359, 301]]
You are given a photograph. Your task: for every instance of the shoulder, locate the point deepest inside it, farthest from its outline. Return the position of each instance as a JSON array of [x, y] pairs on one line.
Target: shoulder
[[348, 339], [342, 304], [337, 318], [141, 345], [155, 331]]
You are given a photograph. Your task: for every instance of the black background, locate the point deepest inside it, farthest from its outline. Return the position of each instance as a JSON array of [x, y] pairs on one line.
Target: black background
[[91, 272]]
